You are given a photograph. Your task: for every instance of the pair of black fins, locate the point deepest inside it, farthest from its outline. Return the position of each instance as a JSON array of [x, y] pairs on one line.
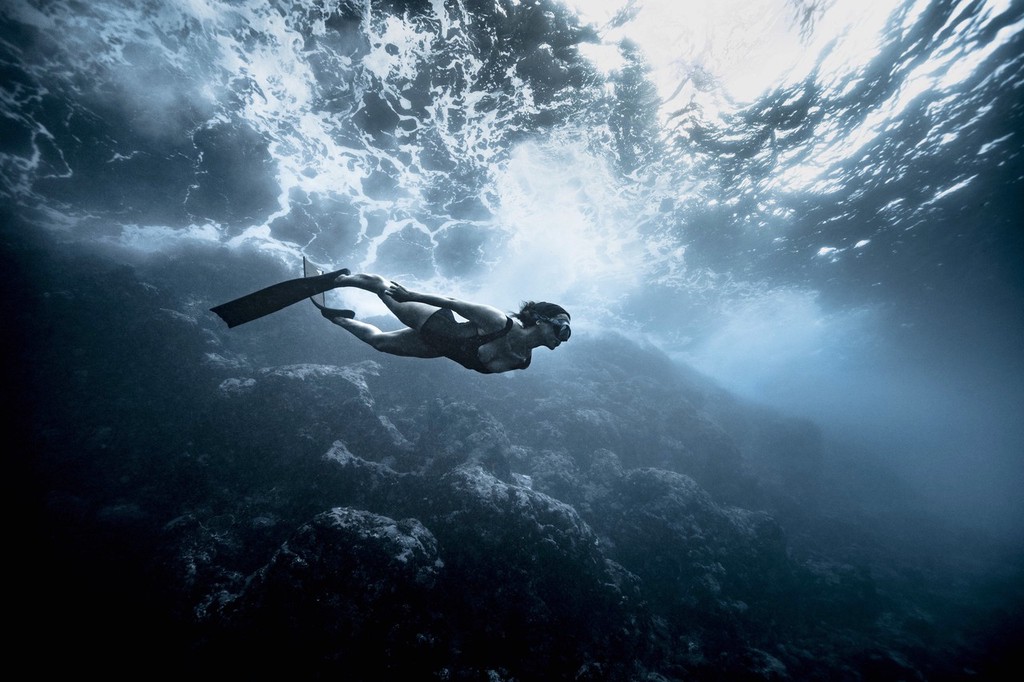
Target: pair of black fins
[[311, 285]]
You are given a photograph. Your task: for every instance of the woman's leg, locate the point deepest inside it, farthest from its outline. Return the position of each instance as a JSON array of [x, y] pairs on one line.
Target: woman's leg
[[412, 314], [404, 342]]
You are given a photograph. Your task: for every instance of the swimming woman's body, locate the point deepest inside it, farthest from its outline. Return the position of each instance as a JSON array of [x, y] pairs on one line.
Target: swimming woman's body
[[489, 341]]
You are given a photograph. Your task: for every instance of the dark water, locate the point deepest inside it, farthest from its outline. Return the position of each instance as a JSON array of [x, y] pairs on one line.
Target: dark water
[[841, 239], [818, 205]]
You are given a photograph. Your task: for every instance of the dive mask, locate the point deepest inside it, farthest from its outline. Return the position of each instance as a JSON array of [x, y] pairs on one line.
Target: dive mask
[[562, 330]]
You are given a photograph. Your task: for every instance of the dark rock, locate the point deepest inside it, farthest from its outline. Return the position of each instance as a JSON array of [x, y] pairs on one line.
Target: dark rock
[[715, 574], [529, 588], [457, 433], [349, 594]]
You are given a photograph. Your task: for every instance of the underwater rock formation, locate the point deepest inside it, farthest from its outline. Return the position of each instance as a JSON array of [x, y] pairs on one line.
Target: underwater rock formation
[[611, 517]]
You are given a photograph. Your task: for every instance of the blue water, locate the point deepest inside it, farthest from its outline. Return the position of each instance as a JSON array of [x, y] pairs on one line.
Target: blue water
[[817, 205]]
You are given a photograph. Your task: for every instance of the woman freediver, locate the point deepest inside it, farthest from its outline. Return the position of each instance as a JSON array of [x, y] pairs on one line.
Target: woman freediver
[[489, 341]]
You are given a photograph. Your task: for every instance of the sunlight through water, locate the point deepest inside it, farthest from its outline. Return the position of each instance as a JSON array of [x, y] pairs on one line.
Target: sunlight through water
[[758, 187]]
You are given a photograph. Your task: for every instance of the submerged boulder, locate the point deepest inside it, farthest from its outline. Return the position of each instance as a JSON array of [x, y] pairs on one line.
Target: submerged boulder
[[530, 589], [718, 575], [349, 591]]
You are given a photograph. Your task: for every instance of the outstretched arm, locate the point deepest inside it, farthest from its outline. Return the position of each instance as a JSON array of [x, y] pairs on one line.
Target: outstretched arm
[[487, 318]]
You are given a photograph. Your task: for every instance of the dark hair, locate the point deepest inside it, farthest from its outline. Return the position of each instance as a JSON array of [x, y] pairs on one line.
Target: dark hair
[[531, 311]]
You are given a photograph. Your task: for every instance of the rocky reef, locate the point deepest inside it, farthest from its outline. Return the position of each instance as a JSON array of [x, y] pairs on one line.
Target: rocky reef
[[278, 495]]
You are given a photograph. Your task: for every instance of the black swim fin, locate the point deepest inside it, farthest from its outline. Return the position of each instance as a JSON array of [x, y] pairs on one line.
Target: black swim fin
[[331, 313], [275, 297]]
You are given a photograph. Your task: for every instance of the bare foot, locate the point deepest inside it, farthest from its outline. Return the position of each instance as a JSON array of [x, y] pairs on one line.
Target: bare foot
[[373, 283]]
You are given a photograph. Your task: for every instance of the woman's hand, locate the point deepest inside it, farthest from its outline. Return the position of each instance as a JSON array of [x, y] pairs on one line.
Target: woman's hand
[[399, 293]]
